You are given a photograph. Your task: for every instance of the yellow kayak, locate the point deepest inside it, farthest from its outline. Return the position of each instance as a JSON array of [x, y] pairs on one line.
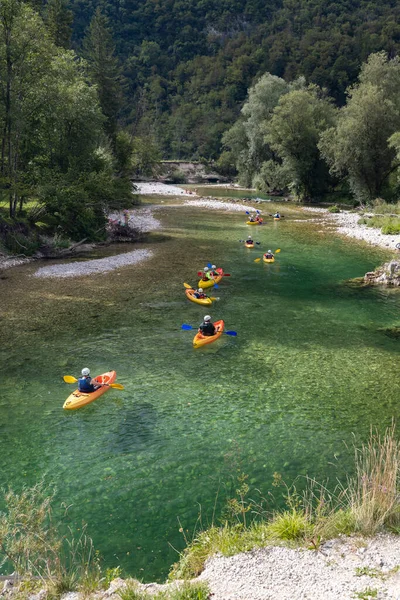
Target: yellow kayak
[[253, 223], [203, 301], [201, 340], [78, 399], [211, 282], [277, 218], [268, 260], [249, 245]]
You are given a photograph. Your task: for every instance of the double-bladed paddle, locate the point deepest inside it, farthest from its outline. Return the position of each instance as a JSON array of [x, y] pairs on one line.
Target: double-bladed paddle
[[189, 327], [276, 252], [70, 379]]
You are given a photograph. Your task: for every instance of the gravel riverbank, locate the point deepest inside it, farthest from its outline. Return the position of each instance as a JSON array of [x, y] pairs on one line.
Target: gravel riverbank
[[346, 223], [342, 569]]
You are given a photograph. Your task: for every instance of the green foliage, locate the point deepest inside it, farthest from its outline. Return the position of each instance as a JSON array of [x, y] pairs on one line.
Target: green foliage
[[184, 591], [298, 121], [367, 594], [334, 209], [358, 147], [110, 575], [290, 525], [177, 176]]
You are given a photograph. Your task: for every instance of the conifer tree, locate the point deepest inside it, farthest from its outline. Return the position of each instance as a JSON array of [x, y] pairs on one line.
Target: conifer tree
[[58, 18], [99, 51]]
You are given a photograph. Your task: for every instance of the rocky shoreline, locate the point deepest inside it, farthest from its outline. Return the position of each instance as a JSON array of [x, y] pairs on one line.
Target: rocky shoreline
[[346, 223]]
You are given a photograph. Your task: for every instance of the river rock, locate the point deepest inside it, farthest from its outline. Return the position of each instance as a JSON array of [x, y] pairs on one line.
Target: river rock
[[387, 274]]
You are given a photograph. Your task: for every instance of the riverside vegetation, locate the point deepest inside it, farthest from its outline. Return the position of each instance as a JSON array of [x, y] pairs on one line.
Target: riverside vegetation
[[367, 503]]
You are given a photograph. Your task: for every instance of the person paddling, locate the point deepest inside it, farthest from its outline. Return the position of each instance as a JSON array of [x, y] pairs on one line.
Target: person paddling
[[207, 327], [85, 384], [277, 215], [269, 254], [199, 294], [206, 274], [249, 240]]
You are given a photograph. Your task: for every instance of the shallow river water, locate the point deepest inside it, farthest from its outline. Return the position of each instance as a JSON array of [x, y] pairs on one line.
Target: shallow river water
[[310, 370]]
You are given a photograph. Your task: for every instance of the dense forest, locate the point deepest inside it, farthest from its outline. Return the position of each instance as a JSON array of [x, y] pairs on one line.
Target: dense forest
[[93, 92]]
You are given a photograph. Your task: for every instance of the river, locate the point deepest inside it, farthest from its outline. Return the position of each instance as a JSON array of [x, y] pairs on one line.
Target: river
[[309, 371]]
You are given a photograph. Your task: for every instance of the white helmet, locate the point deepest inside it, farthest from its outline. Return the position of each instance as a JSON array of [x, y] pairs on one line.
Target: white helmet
[[213, 266], [200, 290], [269, 251], [205, 269], [207, 318], [249, 237], [85, 371]]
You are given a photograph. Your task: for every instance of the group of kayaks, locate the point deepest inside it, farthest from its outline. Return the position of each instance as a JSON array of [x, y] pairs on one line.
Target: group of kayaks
[[78, 399]]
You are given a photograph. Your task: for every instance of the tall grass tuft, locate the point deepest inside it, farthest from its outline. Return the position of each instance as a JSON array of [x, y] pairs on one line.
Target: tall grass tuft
[[372, 494]]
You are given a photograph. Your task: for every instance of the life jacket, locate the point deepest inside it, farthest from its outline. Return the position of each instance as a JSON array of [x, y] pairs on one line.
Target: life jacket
[[85, 385]]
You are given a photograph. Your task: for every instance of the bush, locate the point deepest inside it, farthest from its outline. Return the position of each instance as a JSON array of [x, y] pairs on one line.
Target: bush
[[334, 209], [177, 176]]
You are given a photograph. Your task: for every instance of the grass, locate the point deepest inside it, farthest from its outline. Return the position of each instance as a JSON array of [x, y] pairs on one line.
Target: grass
[[185, 591], [367, 593], [367, 503]]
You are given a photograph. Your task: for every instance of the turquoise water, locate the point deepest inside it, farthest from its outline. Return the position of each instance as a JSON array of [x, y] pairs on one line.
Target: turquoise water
[[309, 370]]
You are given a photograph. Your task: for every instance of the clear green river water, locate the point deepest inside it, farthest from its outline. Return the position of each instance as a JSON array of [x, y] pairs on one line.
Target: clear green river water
[[310, 370]]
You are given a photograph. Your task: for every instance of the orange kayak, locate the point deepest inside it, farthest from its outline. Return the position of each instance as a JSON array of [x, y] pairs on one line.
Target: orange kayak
[[202, 340], [78, 399], [249, 245], [211, 282], [203, 301]]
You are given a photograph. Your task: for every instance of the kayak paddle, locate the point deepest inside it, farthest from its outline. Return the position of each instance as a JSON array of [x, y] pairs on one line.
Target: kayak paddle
[[70, 379], [189, 327], [199, 274], [276, 252]]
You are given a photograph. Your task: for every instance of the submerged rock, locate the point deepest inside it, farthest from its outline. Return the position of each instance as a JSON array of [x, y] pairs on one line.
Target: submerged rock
[[387, 274]]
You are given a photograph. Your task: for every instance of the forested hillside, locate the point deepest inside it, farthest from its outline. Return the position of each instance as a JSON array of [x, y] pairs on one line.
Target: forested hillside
[[187, 64]]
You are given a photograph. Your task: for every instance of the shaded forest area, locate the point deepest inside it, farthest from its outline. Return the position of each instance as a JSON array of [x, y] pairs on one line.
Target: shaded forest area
[[187, 65]]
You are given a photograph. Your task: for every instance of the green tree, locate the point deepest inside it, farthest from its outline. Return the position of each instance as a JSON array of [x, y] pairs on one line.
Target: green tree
[[25, 58], [294, 132], [58, 18], [358, 147], [104, 71]]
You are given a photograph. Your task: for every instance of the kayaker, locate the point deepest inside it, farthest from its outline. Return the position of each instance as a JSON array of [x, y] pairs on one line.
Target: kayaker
[[206, 274], [251, 219], [277, 215], [259, 219], [85, 384], [207, 327], [269, 254], [249, 240], [199, 294], [213, 272]]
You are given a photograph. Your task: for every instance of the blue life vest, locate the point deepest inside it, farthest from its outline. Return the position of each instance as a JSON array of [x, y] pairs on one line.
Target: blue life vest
[[85, 385]]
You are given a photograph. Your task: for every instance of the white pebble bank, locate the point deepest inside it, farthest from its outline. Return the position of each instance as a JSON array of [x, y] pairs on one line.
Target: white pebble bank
[[99, 265], [162, 189]]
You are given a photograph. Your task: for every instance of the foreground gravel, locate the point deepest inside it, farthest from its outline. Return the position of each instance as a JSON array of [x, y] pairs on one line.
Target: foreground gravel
[[98, 265], [340, 570]]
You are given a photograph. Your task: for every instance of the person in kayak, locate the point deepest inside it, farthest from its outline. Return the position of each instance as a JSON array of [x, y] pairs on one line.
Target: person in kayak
[[259, 219], [249, 240], [277, 215], [213, 272], [251, 219], [199, 294], [206, 275], [85, 384], [207, 328], [269, 254]]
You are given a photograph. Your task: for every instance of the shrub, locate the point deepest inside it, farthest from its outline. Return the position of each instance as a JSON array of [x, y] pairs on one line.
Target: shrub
[[290, 525], [334, 209], [177, 176]]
